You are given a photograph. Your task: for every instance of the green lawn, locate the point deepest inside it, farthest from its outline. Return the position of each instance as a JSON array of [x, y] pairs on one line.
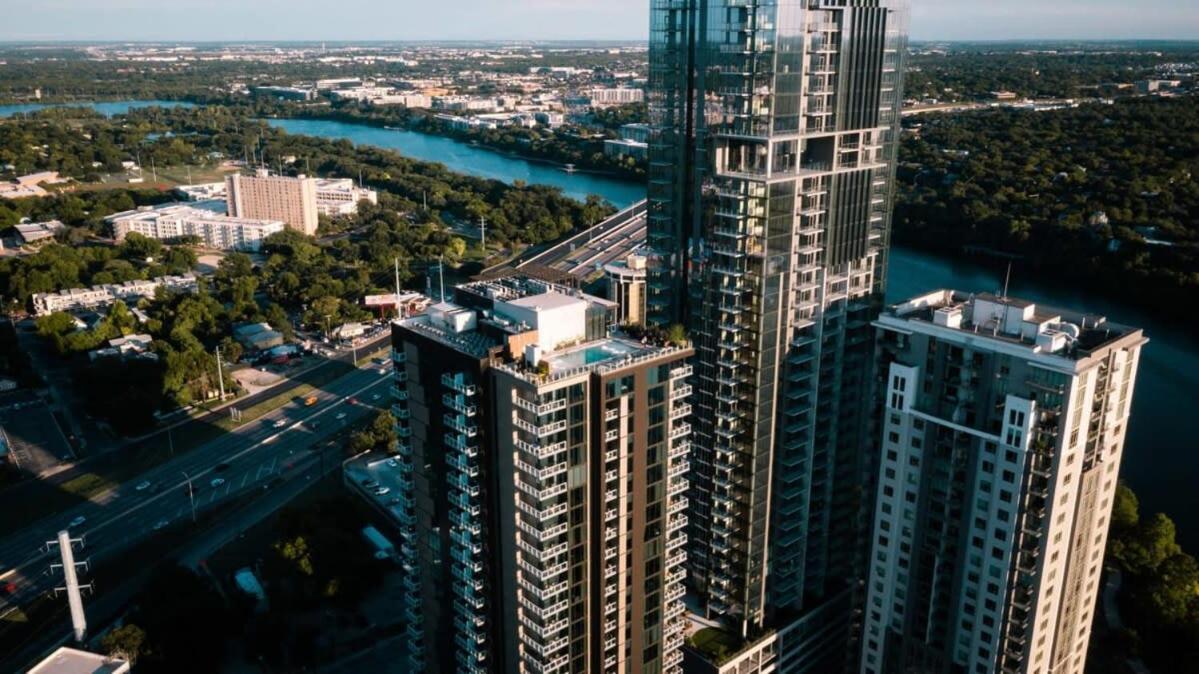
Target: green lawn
[[716, 644]]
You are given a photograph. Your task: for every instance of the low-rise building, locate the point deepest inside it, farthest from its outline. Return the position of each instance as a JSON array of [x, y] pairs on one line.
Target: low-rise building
[[202, 191], [214, 230], [257, 336], [339, 196], [76, 299], [637, 132], [607, 98], [126, 348], [286, 93], [37, 232], [622, 147]]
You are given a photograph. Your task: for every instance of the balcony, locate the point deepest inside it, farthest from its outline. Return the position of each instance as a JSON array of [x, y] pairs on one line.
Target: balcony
[[460, 424], [458, 383], [540, 430], [459, 404], [541, 451]]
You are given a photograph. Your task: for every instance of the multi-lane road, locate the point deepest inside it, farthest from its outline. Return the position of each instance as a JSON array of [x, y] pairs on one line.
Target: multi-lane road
[[255, 456]]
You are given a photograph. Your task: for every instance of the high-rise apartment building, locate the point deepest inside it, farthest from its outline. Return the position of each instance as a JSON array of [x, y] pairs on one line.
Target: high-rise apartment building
[[292, 200], [1002, 431], [542, 500], [771, 170]]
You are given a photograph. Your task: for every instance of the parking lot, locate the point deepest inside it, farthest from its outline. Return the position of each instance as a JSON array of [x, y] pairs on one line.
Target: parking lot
[[33, 435]]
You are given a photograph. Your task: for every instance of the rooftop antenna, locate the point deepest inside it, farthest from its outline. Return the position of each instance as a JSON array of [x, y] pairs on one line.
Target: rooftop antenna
[[71, 576]]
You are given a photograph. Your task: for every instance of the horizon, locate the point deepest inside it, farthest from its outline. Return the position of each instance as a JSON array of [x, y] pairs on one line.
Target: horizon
[[230, 21]]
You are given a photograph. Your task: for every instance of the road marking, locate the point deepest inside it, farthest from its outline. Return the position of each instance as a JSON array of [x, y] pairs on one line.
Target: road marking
[[167, 491]]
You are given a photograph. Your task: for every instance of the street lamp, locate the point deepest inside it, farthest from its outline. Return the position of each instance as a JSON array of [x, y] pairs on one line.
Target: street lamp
[[191, 494]]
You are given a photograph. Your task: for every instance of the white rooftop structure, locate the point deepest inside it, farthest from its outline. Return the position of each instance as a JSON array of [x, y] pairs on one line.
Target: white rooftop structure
[[72, 661]]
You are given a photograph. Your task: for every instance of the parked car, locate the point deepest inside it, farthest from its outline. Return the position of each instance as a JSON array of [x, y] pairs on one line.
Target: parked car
[[78, 521], [143, 485], [216, 482]]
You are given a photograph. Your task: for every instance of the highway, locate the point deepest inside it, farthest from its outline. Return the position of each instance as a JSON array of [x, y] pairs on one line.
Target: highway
[[257, 455]]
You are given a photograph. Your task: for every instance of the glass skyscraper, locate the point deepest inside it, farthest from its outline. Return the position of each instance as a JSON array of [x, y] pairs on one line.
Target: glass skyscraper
[[771, 178]]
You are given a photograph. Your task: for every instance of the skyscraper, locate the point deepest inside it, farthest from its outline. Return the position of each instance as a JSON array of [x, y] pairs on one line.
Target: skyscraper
[[543, 510], [772, 161], [1003, 428]]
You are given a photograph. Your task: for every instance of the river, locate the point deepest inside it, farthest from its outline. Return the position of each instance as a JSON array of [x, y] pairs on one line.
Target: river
[[107, 108], [1160, 459]]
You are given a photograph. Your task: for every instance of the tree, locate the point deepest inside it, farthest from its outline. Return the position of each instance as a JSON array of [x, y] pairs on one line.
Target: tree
[[125, 642]]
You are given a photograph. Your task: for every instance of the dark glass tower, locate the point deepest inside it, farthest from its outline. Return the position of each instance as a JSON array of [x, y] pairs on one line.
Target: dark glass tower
[[771, 181]]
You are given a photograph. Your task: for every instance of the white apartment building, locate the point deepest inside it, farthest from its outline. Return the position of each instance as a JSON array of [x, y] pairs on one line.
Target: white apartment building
[[1003, 425], [339, 196], [102, 295], [179, 220], [606, 98]]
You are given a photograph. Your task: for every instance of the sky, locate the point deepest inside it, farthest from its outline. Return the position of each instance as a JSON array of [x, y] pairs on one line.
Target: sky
[[235, 20]]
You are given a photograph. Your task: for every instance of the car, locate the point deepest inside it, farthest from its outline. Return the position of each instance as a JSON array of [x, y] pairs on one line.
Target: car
[[352, 401], [280, 423], [341, 415], [8, 589], [78, 521], [369, 484], [216, 482], [160, 524], [143, 485], [376, 396], [393, 463], [382, 491]]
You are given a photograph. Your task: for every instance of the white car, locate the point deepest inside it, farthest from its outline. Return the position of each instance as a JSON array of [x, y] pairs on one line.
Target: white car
[[143, 485], [376, 396], [341, 415], [382, 491], [78, 521], [160, 524], [280, 423], [216, 482]]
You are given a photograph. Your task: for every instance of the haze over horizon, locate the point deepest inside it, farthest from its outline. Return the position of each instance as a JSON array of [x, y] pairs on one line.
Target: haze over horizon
[[282, 20]]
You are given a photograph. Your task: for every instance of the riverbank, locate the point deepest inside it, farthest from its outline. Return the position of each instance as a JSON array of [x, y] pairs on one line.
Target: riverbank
[[421, 121]]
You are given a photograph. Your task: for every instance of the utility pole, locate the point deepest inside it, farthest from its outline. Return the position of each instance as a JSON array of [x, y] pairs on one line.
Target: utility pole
[[483, 230], [191, 494], [153, 170], [220, 378], [397, 288], [71, 576], [441, 277]]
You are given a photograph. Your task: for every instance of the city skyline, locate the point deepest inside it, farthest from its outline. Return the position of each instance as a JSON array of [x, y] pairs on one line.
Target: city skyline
[[224, 20]]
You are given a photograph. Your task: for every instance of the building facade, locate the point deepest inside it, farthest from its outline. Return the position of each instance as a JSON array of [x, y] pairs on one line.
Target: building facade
[[626, 287], [75, 299], [771, 172], [339, 196], [268, 197], [542, 499], [1003, 429], [180, 220]]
